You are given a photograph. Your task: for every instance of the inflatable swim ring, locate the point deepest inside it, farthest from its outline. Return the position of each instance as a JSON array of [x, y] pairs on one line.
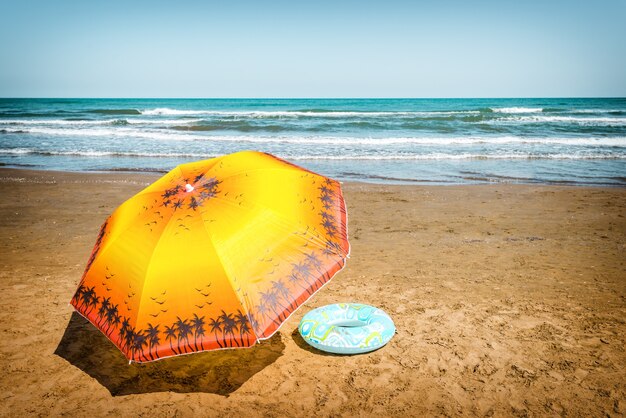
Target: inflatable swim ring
[[347, 328]]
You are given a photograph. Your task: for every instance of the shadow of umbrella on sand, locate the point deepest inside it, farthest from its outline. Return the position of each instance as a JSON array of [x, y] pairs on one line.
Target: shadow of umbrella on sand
[[220, 372]]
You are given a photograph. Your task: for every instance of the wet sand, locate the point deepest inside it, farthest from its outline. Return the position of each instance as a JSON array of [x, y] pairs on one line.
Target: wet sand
[[508, 300]]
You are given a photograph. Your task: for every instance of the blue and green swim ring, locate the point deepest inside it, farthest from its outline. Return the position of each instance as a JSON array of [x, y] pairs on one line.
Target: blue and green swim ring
[[347, 328]]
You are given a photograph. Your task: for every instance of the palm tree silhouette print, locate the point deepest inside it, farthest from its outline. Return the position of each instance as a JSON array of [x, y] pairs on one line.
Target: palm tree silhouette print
[[137, 344], [124, 331], [295, 279], [271, 299], [87, 295], [77, 298], [216, 326], [184, 330], [314, 261], [303, 270], [198, 330], [280, 289], [152, 333], [104, 307], [112, 318], [170, 334], [244, 326], [93, 303], [228, 327]]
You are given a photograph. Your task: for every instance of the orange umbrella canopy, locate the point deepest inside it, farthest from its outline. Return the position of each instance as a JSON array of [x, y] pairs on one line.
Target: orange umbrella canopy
[[215, 254]]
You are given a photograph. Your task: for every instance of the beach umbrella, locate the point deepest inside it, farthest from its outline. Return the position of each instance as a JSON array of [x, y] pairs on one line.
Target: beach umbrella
[[215, 254]]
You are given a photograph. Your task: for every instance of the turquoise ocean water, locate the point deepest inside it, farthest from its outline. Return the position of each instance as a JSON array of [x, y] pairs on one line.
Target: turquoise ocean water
[[427, 141]]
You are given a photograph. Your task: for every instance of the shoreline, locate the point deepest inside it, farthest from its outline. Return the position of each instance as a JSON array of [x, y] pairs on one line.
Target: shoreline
[[508, 299], [390, 181]]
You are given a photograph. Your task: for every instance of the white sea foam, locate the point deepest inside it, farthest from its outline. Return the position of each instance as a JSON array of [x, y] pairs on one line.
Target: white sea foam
[[517, 109], [116, 121], [161, 135], [118, 132], [133, 121], [593, 110], [295, 113], [59, 122], [177, 112], [365, 157], [93, 153], [464, 156], [16, 151], [432, 141], [564, 119]]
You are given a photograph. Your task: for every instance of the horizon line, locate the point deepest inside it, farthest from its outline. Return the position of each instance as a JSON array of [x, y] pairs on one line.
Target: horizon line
[[310, 98]]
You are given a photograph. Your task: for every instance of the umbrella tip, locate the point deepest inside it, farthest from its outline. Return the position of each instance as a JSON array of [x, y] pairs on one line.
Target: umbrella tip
[[189, 188]]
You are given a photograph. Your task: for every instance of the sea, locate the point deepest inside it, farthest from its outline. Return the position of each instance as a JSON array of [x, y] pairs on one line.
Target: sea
[[578, 141]]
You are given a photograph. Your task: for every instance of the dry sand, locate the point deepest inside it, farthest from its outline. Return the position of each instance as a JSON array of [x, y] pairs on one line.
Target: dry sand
[[508, 300]]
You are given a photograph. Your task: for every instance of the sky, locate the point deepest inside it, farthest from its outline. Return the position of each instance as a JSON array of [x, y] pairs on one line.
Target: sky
[[318, 48]]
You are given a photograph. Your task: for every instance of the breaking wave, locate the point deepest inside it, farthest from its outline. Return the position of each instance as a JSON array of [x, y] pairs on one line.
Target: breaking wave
[[428, 156]]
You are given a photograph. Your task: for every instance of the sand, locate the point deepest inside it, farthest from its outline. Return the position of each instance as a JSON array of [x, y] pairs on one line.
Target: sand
[[509, 300]]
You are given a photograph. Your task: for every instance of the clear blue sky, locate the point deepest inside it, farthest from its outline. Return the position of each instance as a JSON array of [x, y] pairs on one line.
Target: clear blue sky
[[312, 49]]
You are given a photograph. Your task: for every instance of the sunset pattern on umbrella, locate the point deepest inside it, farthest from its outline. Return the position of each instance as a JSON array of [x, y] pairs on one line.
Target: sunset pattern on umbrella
[[215, 254]]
